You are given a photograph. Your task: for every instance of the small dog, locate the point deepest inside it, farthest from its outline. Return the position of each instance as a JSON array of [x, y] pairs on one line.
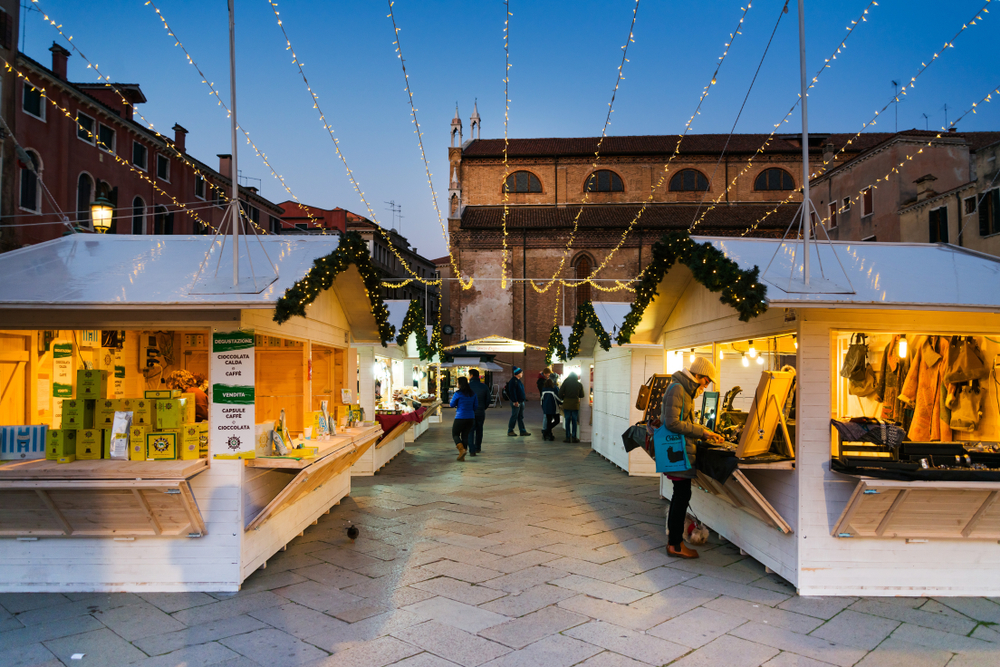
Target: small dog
[[695, 532]]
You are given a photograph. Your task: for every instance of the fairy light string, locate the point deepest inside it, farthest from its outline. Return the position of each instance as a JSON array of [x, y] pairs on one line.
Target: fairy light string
[[978, 16], [336, 146], [506, 141]]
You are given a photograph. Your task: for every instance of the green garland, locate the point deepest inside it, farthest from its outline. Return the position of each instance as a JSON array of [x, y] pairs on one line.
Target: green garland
[[437, 346], [740, 289], [556, 345], [352, 249], [587, 316], [414, 323]]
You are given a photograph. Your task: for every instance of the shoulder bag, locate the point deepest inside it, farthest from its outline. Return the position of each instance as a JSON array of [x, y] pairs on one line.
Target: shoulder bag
[[671, 450]]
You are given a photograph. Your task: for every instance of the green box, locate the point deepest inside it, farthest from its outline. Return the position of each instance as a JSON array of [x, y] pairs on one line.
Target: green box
[[104, 412], [77, 414], [90, 444], [162, 393], [60, 442], [161, 445], [142, 411], [91, 384], [170, 413]]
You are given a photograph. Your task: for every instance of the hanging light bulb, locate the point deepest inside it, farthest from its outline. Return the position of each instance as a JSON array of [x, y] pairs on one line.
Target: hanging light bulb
[[902, 347], [746, 362], [795, 341], [722, 354], [760, 360], [752, 352], [691, 358]]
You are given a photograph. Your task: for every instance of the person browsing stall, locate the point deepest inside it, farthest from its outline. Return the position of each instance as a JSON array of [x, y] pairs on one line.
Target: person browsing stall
[[464, 400], [482, 393], [677, 415], [515, 392]]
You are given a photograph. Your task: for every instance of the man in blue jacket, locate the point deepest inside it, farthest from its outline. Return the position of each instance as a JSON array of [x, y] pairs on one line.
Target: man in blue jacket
[[482, 393], [515, 392]]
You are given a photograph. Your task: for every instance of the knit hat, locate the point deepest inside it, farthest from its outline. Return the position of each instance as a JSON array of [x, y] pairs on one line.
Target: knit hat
[[702, 366], [516, 370]]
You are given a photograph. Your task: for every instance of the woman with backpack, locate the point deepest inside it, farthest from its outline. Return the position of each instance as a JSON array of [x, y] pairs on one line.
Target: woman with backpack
[[550, 407], [465, 402]]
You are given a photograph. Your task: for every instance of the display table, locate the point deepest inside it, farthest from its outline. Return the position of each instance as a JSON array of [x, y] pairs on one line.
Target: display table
[[419, 428], [392, 428]]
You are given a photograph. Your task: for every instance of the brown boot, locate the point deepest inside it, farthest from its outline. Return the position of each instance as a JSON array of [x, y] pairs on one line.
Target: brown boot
[[683, 551], [461, 452]]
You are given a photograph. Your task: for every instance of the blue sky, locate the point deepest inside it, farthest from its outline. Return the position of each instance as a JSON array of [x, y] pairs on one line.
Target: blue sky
[[564, 55]]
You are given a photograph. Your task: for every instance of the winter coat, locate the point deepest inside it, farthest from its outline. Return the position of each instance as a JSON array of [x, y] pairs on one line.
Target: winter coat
[[678, 400], [540, 382], [890, 381], [922, 389], [515, 391], [466, 404], [571, 392], [550, 402], [482, 393]]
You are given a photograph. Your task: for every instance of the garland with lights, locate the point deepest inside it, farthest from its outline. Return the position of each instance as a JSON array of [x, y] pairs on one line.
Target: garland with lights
[[556, 348], [352, 249], [414, 323], [587, 316], [740, 289], [437, 345]]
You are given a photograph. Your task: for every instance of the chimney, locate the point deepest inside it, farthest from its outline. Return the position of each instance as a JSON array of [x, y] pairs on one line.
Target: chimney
[[828, 152], [179, 136], [226, 164], [924, 189], [59, 56]]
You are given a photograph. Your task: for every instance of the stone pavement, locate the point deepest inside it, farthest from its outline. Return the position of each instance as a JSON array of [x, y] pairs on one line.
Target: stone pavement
[[532, 555]]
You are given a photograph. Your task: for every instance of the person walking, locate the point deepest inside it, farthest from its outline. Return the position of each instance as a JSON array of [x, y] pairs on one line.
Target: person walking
[[550, 407], [464, 399], [571, 392], [677, 415], [482, 393], [515, 392]]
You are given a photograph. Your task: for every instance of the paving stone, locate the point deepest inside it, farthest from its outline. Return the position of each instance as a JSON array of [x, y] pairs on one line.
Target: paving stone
[[786, 659], [728, 651], [297, 620], [458, 554], [987, 634], [778, 618], [46, 631], [696, 627], [978, 659], [32, 655], [375, 653], [854, 629], [522, 561], [266, 580], [450, 612], [554, 651], [525, 579], [580, 553], [356, 634], [171, 602], [657, 579], [599, 589], [733, 589], [533, 599], [472, 574], [89, 605], [452, 643], [608, 573], [198, 634], [467, 541], [820, 607], [981, 609], [945, 641], [926, 619], [228, 608], [642, 562], [609, 659], [810, 647], [528, 629], [459, 590], [16, 603], [139, 620], [318, 596], [895, 653], [202, 655], [424, 660], [101, 648], [331, 575], [273, 647], [635, 645]]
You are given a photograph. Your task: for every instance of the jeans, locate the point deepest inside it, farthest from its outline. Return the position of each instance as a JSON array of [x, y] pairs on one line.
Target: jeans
[[572, 423], [551, 421], [678, 512], [461, 431], [516, 415], [477, 434]]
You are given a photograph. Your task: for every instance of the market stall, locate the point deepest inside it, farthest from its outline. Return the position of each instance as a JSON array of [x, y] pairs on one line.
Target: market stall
[[848, 505], [179, 501]]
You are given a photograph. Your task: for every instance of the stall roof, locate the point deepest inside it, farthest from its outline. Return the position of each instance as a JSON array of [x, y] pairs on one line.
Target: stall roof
[[83, 270]]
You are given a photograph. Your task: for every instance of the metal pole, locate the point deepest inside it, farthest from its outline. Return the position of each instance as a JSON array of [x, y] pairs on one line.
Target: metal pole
[[234, 206], [806, 211]]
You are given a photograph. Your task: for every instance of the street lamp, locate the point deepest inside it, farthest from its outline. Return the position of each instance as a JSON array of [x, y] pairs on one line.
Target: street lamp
[[101, 212]]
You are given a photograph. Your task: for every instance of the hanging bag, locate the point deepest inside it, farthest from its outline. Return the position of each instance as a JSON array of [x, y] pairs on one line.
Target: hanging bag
[[671, 450], [856, 358], [965, 361], [645, 391], [866, 386]]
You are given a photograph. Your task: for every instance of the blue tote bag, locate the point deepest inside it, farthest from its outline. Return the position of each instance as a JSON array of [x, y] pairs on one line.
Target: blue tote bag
[[671, 450]]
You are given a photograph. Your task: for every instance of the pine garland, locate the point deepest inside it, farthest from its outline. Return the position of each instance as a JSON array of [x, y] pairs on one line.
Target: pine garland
[[351, 250], [414, 323], [587, 316], [436, 346], [556, 346], [740, 289]]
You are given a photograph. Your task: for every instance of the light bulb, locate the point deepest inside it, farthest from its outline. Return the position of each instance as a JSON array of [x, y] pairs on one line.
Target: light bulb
[[691, 358], [902, 348], [795, 341], [752, 352], [746, 362], [760, 361], [722, 354]]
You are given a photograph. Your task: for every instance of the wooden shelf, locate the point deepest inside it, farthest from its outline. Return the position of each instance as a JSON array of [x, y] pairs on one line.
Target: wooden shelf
[[103, 469], [352, 437], [741, 494]]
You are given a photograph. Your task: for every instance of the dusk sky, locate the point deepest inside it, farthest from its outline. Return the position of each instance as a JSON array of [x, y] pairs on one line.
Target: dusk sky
[[564, 56]]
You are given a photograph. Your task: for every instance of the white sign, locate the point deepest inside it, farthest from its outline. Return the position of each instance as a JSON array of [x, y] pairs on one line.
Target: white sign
[[231, 364], [501, 347]]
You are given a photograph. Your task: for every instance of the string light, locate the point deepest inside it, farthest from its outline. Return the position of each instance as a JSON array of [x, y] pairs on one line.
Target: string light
[[692, 357], [506, 122], [414, 322], [746, 362], [752, 352]]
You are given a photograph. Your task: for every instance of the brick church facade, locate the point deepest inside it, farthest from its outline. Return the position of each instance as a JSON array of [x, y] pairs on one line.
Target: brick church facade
[[548, 183]]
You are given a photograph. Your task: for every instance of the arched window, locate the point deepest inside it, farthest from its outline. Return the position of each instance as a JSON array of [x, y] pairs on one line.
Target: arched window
[[163, 222], [523, 181], [774, 179], [604, 181], [689, 180], [29, 199], [454, 204], [138, 216], [84, 195], [583, 269]]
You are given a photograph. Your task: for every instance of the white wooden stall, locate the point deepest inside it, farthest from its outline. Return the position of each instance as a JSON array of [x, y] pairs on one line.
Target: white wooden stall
[[231, 515], [825, 532]]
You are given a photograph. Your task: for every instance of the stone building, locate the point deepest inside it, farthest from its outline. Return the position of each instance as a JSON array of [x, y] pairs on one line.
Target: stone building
[[565, 217]]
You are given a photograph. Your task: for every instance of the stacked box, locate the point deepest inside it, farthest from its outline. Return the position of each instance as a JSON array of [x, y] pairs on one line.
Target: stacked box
[[22, 442], [156, 394], [91, 384], [104, 412], [137, 443], [190, 442], [189, 408], [60, 443], [203, 440], [170, 413], [77, 414], [142, 412], [90, 444], [161, 445]]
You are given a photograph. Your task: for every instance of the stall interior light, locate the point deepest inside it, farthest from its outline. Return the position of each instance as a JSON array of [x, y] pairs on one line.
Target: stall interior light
[[752, 352], [746, 362], [722, 354], [760, 360], [691, 358], [902, 347], [795, 341]]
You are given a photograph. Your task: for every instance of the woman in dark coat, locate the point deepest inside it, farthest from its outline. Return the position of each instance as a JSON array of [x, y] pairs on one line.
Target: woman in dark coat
[[550, 407], [677, 415], [464, 399]]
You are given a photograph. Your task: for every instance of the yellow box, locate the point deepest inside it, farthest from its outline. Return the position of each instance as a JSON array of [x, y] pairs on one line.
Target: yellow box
[[304, 452], [203, 439], [343, 413], [66, 459], [137, 443], [189, 408], [59, 443], [125, 404], [319, 424], [77, 414], [106, 443], [169, 413], [190, 442], [89, 444], [161, 445], [104, 412], [142, 411], [91, 384], [156, 394]]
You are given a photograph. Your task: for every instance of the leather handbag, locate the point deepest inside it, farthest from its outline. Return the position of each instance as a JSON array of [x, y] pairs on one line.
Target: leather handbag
[[965, 361], [856, 358], [866, 385], [642, 400]]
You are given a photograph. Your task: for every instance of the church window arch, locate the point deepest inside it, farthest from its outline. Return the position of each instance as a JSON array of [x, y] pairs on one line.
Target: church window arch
[[522, 182], [774, 178], [604, 180], [689, 180]]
